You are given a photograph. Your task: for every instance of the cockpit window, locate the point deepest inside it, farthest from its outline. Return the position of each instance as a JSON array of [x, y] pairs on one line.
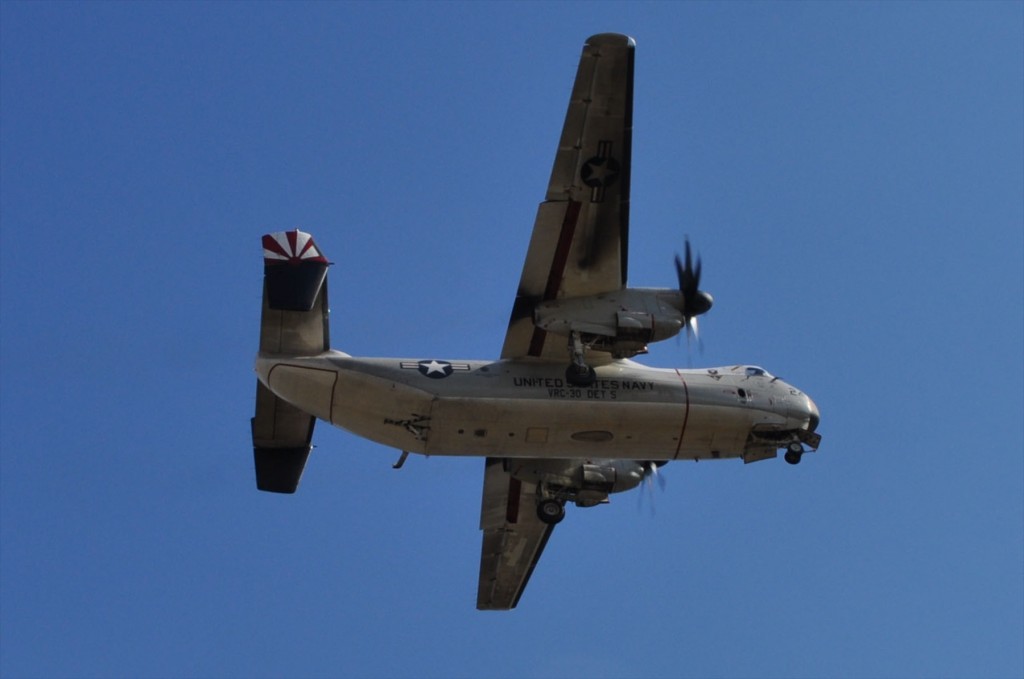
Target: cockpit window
[[754, 371]]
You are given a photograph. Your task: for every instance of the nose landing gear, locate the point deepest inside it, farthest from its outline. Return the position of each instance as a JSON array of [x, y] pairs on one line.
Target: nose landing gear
[[794, 452]]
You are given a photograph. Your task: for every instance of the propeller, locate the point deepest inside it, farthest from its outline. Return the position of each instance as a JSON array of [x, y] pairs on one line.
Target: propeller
[[695, 300], [647, 482]]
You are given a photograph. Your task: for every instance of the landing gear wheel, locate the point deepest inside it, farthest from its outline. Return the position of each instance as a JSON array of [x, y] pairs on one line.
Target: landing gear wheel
[[550, 511], [794, 452], [580, 376]]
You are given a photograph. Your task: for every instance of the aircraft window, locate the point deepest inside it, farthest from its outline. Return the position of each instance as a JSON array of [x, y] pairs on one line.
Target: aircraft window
[[753, 371]]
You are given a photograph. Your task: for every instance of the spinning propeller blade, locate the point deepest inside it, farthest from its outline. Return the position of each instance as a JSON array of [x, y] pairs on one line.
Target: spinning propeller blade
[[695, 300], [647, 483]]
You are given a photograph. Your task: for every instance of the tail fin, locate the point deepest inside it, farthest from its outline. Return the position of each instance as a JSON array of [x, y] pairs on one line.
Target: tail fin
[[295, 311], [294, 322]]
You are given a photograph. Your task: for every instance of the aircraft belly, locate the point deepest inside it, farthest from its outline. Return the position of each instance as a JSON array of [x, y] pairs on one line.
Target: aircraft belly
[[336, 389], [383, 410], [715, 431], [525, 427], [517, 410]]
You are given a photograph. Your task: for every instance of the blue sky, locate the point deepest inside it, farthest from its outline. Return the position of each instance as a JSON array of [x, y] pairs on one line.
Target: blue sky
[[852, 173]]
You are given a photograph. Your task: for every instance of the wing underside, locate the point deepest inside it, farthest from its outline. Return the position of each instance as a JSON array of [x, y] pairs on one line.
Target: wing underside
[[514, 538], [578, 247], [579, 244]]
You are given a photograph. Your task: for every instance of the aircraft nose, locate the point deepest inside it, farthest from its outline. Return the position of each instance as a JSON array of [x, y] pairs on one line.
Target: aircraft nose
[[813, 415]]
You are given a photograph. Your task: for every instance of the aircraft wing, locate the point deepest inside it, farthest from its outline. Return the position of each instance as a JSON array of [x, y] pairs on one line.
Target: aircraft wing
[[581, 235], [514, 538]]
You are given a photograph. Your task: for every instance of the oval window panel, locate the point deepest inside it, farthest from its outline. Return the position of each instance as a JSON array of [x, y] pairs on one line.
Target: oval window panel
[[592, 436]]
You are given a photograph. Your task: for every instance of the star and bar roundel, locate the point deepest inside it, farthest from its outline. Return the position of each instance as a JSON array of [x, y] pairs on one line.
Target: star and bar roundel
[[600, 171], [435, 369]]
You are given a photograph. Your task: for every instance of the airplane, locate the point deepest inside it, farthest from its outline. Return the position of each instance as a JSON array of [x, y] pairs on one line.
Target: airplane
[[564, 415]]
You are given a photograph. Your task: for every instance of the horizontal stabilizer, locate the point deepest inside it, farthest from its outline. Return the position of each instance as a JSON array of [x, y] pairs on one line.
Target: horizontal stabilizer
[[294, 322], [278, 470], [281, 441]]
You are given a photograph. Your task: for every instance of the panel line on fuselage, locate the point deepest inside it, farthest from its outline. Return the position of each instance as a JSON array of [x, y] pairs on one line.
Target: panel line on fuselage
[[686, 414]]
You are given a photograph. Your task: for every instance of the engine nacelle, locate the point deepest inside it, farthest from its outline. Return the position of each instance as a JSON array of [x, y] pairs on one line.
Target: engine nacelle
[[586, 484], [622, 323], [611, 476]]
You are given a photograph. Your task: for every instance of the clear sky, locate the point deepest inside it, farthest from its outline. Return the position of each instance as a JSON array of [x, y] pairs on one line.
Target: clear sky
[[852, 173]]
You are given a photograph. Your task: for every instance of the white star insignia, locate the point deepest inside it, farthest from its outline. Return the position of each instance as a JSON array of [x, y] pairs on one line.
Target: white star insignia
[[434, 367]]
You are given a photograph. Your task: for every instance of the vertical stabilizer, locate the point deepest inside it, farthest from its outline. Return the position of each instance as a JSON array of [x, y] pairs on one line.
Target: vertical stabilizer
[[295, 310], [294, 322]]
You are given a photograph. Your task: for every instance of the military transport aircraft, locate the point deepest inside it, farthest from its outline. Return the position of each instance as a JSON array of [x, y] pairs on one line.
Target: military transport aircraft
[[564, 415]]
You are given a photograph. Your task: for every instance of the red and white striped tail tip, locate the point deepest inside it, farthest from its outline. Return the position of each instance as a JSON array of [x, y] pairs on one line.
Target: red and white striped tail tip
[[291, 247]]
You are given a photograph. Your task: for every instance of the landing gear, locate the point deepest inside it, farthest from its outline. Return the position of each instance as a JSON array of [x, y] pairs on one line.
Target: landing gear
[[550, 511], [578, 374], [794, 452]]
